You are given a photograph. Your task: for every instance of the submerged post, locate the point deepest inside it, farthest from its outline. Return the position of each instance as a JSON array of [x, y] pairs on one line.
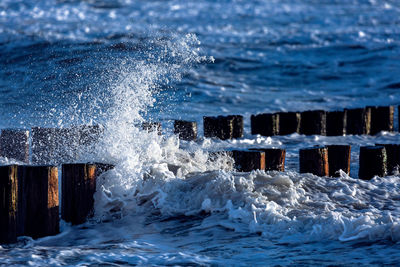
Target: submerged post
[[381, 119], [313, 122], [186, 130], [358, 121], [336, 123], [14, 144], [246, 161], [38, 208], [78, 188], [8, 204], [314, 160], [265, 124], [373, 162], [339, 159], [274, 158], [289, 122]]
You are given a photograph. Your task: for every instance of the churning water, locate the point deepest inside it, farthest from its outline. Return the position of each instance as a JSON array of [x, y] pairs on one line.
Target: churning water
[[119, 63]]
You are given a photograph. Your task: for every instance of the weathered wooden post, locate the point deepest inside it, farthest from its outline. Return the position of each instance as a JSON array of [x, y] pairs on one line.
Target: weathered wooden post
[[381, 119], [246, 161], [38, 208], [265, 124], [56, 145], [289, 122], [89, 134], [314, 160], [373, 162], [274, 158], [186, 130], [313, 122], [152, 126], [8, 204], [336, 123], [66, 145], [14, 144], [210, 125], [220, 127], [339, 159], [237, 125], [393, 157], [78, 188], [358, 121], [43, 145]]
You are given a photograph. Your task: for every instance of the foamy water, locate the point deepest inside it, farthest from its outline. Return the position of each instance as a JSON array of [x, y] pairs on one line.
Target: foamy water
[[121, 63]]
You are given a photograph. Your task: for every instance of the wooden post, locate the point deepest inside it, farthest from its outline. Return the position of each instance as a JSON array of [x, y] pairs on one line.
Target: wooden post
[[66, 145], [274, 158], [339, 159], [393, 157], [358, 121], [220, 127], [381, 119], [313, 122], [152, 126], [265, 124], [246, 161], [78, 188], [89, 134], [43, 145], [373, 162], [237, 125], [336, 123], [186, 130], [15, 144], [289, 122], [210, 125], [38, 208], [314, 160], [55, 145], [8, 204]]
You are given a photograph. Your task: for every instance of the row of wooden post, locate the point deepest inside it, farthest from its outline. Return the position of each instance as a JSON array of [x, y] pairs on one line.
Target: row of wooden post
[[29, 198], [52, 145], [358, 121], [48, 145], [379, 160]]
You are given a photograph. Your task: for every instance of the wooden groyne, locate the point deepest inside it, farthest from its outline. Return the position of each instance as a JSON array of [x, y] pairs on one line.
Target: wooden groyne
[[370, 120], [29, 193]]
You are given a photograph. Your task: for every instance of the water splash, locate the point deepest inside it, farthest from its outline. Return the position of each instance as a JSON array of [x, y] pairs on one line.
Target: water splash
[[133, 150]]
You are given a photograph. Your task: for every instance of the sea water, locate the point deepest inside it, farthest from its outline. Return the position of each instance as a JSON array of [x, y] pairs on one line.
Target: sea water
[[121, 63]]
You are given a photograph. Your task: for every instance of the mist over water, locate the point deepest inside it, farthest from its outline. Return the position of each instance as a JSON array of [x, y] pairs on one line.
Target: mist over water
[[122, 63]]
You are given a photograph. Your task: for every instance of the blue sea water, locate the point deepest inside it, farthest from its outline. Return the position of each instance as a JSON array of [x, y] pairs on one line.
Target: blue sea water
[[118, 63]]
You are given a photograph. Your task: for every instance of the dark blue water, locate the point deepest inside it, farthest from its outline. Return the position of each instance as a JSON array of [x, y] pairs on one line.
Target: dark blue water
[[117, 63]]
